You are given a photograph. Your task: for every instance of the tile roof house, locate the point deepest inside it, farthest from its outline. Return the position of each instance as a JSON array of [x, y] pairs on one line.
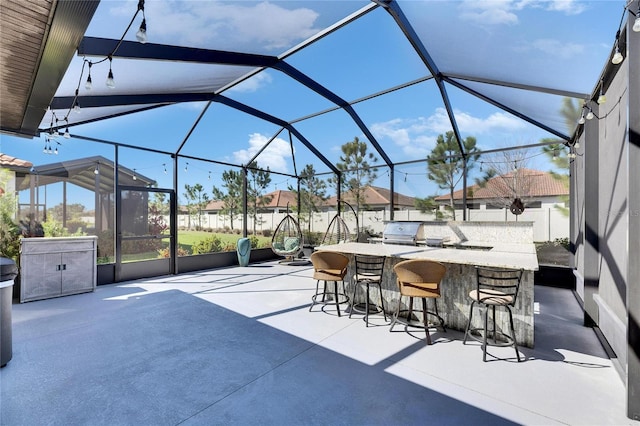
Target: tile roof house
[[278, 201], [375, 198], [17, 168], [14, 164], [534, 187]]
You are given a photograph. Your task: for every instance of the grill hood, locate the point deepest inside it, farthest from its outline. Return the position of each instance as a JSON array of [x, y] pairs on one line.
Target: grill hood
[[402, 232]]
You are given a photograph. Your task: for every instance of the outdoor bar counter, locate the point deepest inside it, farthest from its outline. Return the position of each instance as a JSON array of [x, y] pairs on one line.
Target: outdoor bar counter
[[459, 280]]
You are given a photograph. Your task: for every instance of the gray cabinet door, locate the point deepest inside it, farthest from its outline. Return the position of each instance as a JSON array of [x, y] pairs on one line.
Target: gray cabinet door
[[41, 276], [78, 272]]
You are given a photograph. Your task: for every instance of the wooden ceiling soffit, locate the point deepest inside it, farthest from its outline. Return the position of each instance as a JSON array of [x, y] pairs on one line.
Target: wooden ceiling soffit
[[39, 41]]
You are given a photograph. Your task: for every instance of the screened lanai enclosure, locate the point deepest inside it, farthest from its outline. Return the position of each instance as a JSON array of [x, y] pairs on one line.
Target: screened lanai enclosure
[[200, 114]]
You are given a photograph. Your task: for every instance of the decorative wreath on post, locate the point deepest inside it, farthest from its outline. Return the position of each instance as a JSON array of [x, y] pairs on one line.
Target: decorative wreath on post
[[517, 207]]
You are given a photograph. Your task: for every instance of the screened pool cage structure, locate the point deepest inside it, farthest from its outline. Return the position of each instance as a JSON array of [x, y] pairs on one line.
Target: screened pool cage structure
[[146, 74], [330, 83]]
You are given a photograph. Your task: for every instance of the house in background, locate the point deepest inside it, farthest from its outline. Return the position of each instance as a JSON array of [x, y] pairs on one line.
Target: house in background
[[278, 201], [375, 198], [534, 188], [16, 168]]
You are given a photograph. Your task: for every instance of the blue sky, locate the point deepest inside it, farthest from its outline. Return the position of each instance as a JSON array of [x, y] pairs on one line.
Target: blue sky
[[533, 40]]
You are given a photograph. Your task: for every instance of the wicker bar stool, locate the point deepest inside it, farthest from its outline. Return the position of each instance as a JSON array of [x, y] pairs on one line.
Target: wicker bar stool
[[329, 267], [419, 278]]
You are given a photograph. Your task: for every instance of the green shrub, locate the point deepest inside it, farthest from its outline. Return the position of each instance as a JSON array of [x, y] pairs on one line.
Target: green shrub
[[9, 237], [164, 253], [9, 230], [208, 245], [75, 227], [229, 247], [105, 244], [312, 238], [53, 228]]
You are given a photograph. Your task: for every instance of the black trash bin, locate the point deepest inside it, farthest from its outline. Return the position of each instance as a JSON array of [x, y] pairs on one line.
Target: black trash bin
[[8, 273]]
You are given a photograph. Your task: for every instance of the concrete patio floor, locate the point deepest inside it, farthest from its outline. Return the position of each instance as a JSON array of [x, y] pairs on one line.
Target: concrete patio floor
[[239, 346]]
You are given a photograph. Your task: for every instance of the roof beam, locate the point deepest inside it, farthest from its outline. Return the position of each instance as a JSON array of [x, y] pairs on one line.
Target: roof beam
[[104, 117], [404, 24], [94, 46], [261, 150], [270, 118], [167, 98], [104, 47], [326, 93], [66, 102], [343, 22], [506, 108], [520, 86]]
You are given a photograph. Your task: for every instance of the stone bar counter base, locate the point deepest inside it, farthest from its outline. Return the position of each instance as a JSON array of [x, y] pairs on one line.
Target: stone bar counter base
[[460, 278]]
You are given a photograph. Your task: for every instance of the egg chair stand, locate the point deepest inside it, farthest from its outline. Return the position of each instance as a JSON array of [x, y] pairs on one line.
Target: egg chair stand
[[338, 231], [287, 241]]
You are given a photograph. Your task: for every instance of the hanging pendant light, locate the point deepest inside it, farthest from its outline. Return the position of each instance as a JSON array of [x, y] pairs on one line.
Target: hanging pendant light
[[590, 114], [602, 98], [617, 56], [88, 85], [141, 35], [111, 84]]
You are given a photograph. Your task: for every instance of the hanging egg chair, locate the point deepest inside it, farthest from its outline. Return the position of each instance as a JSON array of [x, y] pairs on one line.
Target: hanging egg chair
[[287, 240], [338, 231]]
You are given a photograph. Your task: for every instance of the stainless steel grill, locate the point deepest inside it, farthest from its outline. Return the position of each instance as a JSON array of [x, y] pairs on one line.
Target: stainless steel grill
[[407, 233]]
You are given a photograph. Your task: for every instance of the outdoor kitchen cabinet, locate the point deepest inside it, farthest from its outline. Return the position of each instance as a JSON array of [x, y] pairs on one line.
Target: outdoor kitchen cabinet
[[60, 266]]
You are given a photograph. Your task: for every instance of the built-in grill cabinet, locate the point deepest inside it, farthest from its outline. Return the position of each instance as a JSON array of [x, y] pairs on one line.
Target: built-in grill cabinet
[[403, 232]]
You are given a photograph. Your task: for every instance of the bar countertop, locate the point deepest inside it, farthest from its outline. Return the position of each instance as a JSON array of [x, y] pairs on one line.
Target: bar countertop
[[499, 255]]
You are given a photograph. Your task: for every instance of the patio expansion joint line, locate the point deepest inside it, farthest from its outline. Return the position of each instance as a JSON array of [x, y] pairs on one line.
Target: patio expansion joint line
[[226, 285], [260, 376]]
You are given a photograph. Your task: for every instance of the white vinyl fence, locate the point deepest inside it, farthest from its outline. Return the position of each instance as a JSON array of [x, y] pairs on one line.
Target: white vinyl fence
[[548, 223]]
